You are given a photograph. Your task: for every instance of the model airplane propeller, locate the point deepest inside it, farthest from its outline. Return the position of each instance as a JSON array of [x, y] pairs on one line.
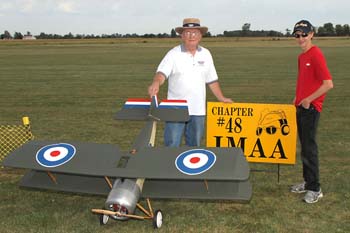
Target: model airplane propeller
[[144, 172]]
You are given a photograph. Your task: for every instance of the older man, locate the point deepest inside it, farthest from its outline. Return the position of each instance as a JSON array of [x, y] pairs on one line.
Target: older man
[[188, 68]]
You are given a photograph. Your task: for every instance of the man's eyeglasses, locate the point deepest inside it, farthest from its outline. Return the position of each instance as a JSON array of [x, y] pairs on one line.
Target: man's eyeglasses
[[301, 35], [193, 34]]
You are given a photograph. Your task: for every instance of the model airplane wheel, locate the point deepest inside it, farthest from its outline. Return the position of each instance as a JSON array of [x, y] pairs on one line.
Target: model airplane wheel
[[104, 219], [157, 219]]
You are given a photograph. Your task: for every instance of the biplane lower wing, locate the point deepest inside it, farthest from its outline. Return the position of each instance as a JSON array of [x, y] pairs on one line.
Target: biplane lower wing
[[169, 172], [162, 189], [198, 189]]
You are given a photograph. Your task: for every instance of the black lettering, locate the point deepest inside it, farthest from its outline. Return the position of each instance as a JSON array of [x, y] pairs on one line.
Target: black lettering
[[250, 112], [217, 141], [229, 125], [260, 150], [279, 151], [241, 143], [238, 127]]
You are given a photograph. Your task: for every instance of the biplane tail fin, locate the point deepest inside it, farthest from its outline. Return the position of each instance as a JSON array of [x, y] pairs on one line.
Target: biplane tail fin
[[150, 109]]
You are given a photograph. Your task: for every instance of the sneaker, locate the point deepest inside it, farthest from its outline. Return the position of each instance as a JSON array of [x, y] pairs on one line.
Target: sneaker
[[298, 188], [312, 196]]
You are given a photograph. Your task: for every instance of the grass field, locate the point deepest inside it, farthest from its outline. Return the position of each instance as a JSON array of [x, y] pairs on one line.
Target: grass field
[[71, 89]]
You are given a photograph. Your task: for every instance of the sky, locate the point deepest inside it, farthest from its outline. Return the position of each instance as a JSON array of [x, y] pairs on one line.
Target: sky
[[160, 16]]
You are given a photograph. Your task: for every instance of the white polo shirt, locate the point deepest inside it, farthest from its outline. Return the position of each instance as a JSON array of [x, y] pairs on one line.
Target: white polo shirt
[[188, 75]]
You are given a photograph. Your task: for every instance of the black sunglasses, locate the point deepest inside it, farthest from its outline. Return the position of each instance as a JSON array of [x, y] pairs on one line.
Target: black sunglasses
[[301, 35], [269, 130]]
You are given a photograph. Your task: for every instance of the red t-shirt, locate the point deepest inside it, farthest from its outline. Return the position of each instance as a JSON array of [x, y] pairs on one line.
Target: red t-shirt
[[312, 71]]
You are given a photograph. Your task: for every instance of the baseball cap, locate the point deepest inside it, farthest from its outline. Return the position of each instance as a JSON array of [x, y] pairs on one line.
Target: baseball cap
[[304, 26]]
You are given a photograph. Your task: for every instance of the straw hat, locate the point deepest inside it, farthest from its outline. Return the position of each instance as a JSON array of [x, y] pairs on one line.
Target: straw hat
[[191, 23]]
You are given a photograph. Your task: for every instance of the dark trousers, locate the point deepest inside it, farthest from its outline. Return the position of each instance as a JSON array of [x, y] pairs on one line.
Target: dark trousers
[[307, 121]]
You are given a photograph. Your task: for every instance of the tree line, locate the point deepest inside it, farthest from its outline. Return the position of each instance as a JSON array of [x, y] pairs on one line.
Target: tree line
[[326, 30]]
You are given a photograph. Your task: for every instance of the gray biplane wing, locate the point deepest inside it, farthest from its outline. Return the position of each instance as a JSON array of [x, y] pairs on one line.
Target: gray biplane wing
[[169, 172]]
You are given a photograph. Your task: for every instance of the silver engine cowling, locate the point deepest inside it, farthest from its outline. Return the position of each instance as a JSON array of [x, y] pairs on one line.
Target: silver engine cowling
[[123, 197]]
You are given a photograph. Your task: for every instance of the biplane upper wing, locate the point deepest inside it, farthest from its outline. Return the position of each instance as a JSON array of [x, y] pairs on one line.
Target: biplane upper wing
[[73, 157], [191, 163], [91, 159], [149, 109]]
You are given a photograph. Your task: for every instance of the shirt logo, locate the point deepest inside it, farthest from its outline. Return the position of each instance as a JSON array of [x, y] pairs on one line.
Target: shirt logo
[[308, 64], [201, 63]]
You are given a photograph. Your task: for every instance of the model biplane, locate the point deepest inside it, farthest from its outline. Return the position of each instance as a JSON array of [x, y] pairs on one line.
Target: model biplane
[[144, 172]]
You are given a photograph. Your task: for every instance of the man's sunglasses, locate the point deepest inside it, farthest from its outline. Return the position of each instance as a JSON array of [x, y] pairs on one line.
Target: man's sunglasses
[[301, 35]]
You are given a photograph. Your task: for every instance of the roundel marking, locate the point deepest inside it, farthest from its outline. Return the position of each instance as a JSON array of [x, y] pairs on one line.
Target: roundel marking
[[195, 161], [55, 155]]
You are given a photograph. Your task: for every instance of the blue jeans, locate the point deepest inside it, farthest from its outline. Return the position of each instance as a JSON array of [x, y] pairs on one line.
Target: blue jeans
[[193, 130], [307, 121]]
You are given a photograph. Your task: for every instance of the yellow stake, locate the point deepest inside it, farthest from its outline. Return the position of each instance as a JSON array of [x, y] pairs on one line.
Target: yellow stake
[[25, 120]]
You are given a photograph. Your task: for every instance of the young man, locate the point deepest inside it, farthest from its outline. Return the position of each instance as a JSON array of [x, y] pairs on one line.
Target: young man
[[188, 68], [314, 81]]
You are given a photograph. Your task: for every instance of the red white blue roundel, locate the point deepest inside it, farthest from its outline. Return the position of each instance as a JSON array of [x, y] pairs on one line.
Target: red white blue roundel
[[55, 155], [194, 162]]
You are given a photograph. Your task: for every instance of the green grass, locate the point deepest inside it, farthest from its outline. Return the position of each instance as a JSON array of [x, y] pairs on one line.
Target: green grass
[[71, 89]]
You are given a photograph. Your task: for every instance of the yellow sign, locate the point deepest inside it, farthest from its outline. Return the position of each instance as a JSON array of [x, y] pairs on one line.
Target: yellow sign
[[267, 133]]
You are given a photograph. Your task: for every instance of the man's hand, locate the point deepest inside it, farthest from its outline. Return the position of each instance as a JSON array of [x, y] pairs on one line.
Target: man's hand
[[158, 80], [226, 100]]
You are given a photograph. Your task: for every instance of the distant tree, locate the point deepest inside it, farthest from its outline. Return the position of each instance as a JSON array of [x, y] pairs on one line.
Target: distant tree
[[246, 27], [163, 35], [339, 31], [288, 32], [18, 36], [346, 29], [173, 33], [116, 35], [134, 35], [273, 33], [6, 35], [261, 33], [55, 36], [28, 33], [150, 35], [68, 36], [235, 33], [42, 35], [329, 29], [90, 36], [321, 31], [102, 36], [207, 34]]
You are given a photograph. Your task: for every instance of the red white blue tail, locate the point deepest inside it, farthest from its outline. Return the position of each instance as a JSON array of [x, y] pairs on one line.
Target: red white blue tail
[[149, 109]]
